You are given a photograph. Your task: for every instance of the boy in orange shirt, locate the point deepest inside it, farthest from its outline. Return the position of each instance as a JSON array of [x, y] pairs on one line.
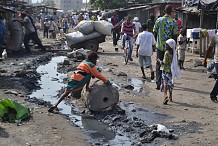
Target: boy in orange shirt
[[81, 77]]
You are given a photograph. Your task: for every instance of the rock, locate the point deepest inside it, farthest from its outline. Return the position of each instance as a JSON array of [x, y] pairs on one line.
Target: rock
[[134, 110], [66, 61], [121, 74], [20, 73], [108, 70], [183, 121], [54, 79], [116, 118], [101, 97], [11, 92], [129, 87], [2, 71]]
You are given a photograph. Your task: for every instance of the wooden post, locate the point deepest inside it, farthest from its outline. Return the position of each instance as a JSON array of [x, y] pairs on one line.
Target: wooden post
[[201, 25]]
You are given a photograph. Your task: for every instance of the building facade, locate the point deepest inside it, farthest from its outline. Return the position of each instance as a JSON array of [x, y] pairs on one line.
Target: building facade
[[69, 4]]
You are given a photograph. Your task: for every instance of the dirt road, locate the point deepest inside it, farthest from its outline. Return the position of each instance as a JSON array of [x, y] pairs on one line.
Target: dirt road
[[192, 115]]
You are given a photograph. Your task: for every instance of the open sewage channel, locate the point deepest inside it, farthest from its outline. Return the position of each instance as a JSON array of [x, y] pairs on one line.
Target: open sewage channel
[[128, 124]]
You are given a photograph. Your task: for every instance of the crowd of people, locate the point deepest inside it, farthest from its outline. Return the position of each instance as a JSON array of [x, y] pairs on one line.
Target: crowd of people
[[165, 35]]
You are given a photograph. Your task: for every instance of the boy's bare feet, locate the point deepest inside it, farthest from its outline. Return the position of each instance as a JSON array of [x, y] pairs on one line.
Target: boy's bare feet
[[165, 100], [51, 109]]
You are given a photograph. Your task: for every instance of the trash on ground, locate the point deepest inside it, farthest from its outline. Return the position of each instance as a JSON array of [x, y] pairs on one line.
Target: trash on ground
[[11, 111]]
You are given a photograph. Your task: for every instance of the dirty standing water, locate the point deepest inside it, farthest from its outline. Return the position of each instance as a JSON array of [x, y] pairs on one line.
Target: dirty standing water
[[100, 131], [51, 82]]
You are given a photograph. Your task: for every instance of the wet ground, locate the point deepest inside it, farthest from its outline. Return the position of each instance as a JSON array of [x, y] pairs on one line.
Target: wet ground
[[128, 124]]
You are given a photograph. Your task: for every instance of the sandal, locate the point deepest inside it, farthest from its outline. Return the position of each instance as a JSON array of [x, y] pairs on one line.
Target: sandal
[[165, 100]]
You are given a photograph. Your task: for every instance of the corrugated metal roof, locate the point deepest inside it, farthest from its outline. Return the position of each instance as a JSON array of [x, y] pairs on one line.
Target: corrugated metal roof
[[134, 8]]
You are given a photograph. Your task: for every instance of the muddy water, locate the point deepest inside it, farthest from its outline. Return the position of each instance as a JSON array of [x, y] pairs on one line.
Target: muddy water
[[52, 81]]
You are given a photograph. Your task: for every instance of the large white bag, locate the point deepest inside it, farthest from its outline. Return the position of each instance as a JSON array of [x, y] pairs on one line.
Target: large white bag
[[77, 37], [103, 27], [85, 27]]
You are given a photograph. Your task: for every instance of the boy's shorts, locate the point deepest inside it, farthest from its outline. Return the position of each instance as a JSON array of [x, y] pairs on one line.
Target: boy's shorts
[[145, 61]]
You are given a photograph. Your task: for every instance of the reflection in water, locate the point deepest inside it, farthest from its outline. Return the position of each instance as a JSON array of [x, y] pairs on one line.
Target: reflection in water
[[48, 92]]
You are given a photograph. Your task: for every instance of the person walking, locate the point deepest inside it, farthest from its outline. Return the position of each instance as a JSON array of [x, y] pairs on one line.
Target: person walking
[[145, 43], [2, 32], [116, 30], [30, 32], [128, 31], [150, 23], [138, 25], [182, 41], [170, 69], [213, 44], [165, 28], [46, 28]]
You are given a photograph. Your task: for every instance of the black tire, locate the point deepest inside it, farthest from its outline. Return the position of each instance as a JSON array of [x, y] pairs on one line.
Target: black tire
[[92, 45]]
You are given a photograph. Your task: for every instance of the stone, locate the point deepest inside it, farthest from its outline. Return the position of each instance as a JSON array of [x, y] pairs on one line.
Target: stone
[[121, 74], [11, 92], [3, 71], [101, 97], [66, 61], [108, 70], [129, 87]]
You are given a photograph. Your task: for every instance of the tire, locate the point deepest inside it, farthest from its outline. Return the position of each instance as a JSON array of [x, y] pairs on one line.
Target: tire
[[92, 45]]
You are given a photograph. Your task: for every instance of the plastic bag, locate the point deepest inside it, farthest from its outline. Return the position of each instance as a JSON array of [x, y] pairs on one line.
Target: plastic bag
[[11, 111]]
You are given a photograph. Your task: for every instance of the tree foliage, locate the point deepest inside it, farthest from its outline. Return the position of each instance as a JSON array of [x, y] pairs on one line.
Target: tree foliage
[[111, 4], [49, 3]]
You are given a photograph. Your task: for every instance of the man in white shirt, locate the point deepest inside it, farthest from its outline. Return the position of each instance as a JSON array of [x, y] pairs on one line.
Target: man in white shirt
[[137, 25], [213, 44], [145, 43]]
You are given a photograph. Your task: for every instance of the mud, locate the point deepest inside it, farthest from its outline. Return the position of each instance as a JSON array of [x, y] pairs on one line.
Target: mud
[[128, 124]]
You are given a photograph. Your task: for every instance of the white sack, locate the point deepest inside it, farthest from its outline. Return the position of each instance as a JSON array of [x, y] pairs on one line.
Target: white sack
[[77, 37], [103, 27], [85, 27]]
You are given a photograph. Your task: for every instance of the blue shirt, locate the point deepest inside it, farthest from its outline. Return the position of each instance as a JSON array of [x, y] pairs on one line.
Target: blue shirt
[[2, 32]]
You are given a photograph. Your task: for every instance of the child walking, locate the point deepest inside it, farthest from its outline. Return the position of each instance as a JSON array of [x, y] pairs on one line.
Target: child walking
[[82, 77], [66, 27], [170, 69], [182, 40], [145, 44], [46, 28]]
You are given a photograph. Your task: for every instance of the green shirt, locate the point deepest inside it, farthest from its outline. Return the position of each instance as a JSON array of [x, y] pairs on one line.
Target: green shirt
[[165, 27], [166, 66]]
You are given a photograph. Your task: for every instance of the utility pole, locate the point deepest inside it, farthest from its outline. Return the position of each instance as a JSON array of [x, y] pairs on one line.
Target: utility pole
[[86, 5]]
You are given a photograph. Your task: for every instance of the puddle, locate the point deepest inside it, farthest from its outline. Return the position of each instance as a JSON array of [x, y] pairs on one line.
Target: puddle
[[49, 92], [134, 84], [98, 129]]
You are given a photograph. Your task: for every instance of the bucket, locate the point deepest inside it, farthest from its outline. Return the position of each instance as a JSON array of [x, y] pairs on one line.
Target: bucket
[[195, 35]]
